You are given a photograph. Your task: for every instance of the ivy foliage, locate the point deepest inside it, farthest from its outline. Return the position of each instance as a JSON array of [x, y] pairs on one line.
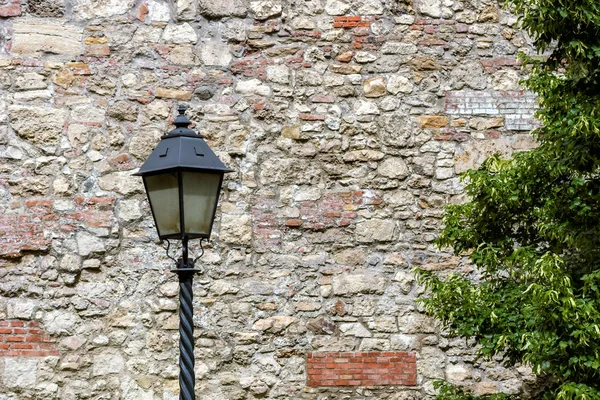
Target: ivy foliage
[[532, 224]]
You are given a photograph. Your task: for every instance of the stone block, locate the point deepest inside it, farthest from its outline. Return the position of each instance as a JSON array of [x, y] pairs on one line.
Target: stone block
[[89, 9], [375, 230], [365, 282], [39, 125], [37, 36], [218, 9], [20, 373]]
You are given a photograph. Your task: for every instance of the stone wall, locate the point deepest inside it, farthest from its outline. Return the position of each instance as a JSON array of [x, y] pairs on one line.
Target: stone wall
[[347, 123]]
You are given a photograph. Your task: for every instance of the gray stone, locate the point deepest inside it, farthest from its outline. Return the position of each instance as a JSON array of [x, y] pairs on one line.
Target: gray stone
[[375, 230], [37, 36], [106, 363], [220, 9], [236, 229], [39, 125], [88, 244], [432, 8], [121, 182], [337, 7], [393, 168], [180, 34], [20, 373], [60, 322], [366, 282], [214, 54], [265, 9], [399, 84], [355, 329], [21, 308]]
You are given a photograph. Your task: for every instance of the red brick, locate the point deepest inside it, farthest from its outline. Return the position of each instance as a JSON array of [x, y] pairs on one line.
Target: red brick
[[11, 9], [362, 368], [354, 18], [15, 338]]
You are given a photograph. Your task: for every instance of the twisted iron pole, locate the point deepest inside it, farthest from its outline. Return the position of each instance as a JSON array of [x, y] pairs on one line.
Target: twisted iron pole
[[185, 271]]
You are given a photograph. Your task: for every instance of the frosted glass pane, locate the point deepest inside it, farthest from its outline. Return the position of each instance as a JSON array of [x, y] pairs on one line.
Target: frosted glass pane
[[163, 192], [200, 193]]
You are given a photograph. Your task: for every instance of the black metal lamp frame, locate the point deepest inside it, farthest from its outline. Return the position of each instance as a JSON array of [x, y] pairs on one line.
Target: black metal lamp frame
[[188, 152]]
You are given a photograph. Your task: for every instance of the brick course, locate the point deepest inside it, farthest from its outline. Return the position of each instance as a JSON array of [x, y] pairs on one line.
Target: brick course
[[25, 339], [373, 368]]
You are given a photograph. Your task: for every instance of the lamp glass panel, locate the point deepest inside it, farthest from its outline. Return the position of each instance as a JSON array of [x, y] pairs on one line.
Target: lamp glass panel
[[200, 194], [163, 193]]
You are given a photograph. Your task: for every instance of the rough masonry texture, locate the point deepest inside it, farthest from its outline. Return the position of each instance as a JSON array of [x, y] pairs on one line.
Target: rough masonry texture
[[347, 122]]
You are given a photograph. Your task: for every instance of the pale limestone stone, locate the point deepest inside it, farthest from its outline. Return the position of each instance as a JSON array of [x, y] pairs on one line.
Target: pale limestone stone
[[106, 363], [70, 263], [88, 244], [236, 229], [483, 388], [60, 322], [414, 323], [363, 107], [186, 10], [274, 324], [234, 29], [402, 342], [159, 11], [30, 81], [303, 23], [169, 289], [368, 7], [39, 125], [398, 48], [158, 110], [337, 7], [375, 230], [432, 8], [399, 84], [88, 9], [366, 282], [252, 87], [88, 113], [363, 155], [20, 373], [222, 287], [469, 74], [121, 182], [214, 54], [141, 145], [364, 57], [406, 281], [278, 74], [355, 329], [265, 9], [431, 363], [374, 87], [483, 124], [21, 308], [219, 9], [506, 79], [129, 210], [36, 36], [458, 372], [394, 167], [179, 34], [471, 154]]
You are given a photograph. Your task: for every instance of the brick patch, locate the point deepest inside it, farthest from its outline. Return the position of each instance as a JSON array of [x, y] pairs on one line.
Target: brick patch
[[373, 368], [25, 339], [517, 107]]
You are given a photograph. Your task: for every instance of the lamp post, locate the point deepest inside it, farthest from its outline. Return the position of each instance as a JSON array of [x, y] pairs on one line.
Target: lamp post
[[183, 178]]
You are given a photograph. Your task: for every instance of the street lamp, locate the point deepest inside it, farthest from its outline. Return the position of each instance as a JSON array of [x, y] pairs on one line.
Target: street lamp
[[183, 177]]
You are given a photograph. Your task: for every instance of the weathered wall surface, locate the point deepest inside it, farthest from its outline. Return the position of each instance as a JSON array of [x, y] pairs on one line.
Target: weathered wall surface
[[347, 123]]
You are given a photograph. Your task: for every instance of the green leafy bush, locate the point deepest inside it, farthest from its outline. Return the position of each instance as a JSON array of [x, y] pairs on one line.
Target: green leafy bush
[[532, 225]]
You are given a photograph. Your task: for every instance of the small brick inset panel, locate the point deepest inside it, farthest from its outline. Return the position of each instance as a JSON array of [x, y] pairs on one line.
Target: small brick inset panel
[[372, 368], [517, 107], [25, 339]]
